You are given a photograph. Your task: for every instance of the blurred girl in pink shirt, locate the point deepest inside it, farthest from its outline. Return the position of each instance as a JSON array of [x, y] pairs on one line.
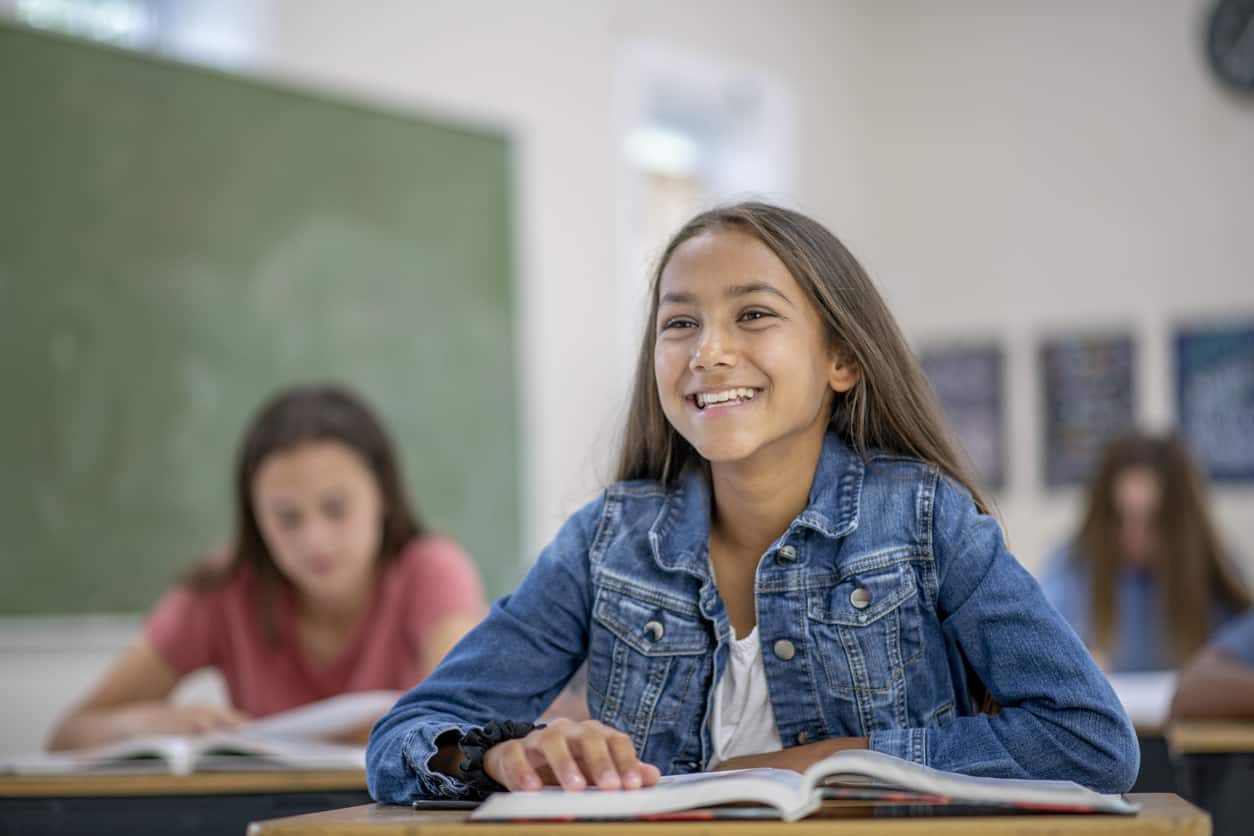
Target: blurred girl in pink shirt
[[332, 585]]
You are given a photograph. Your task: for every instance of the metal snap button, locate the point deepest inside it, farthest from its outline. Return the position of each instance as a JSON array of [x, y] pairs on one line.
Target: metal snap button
[[654, 630], [860, 598], [803, 737], [786, 555], [784, 649]]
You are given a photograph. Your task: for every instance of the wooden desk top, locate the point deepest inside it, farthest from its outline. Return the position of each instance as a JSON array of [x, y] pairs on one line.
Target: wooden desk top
[[1161, 813], [160, 783], [1199, 737]]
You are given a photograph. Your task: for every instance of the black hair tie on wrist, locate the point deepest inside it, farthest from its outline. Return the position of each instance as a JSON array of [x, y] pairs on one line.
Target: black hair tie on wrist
[[475, 744]]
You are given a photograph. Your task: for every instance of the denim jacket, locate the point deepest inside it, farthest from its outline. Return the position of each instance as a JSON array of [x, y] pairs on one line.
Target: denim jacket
[[880, 610]]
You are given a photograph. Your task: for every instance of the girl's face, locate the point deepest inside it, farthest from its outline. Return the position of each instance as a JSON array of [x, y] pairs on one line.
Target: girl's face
[[320, 511], [743, 364], [1137, 494]]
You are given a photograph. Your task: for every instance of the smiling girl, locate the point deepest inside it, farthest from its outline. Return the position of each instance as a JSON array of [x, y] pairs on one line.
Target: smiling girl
[[331, 585], [794, 560]]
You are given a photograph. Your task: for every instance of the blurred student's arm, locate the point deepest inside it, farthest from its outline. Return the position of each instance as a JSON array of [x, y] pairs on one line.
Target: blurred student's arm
[[442, 635], [132, 700], [446, 598], [1218, 684], [438, 641]]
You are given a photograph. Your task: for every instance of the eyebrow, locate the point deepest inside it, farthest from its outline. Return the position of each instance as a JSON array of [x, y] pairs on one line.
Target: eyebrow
[[685, 298]]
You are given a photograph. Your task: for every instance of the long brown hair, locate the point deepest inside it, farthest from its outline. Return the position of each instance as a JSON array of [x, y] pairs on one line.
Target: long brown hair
[[295, 416], [891, 408], [1190, 569]]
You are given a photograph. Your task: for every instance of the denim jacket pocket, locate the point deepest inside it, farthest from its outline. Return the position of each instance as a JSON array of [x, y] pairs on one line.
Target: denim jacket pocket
[[868, 629], [645, 657]]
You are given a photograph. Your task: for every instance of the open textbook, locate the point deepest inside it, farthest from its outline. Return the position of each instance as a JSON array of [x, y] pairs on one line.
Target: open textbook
[[294, 739], [860, 774]]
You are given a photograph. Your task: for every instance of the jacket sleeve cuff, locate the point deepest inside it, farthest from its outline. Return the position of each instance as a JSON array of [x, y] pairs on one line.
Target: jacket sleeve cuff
[[418, 749], [907, 744]]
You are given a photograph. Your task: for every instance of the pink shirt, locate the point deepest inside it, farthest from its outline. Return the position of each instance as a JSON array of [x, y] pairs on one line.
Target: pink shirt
[[431, 580]]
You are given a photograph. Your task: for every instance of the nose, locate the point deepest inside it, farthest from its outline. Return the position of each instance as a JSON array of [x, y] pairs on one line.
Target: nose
[[315, 534], [713, 349]]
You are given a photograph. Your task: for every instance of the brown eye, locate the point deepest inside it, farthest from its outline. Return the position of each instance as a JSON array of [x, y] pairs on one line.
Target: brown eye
[[335, 509], [288, 519]]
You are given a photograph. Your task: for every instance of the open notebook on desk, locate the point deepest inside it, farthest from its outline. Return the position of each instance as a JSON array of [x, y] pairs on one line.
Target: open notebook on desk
[[1146, 696], [295, 739], [852, 774]]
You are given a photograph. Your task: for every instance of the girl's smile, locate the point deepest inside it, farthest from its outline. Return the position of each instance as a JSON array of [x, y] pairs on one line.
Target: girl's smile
[[720, 401]]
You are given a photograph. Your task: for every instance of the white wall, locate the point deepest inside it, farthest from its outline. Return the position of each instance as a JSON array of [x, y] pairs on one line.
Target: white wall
[[1038, 167], [1002, 168]]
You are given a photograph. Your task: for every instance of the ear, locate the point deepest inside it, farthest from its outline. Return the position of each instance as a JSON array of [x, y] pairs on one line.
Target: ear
[[844, 374]]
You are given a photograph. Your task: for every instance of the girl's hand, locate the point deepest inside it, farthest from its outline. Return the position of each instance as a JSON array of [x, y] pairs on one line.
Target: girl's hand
[[571, 754], [164, 718]]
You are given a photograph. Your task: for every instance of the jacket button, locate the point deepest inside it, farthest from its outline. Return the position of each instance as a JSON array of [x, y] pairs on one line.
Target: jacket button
[[784, 649], [654, 631], [803, 737], [786, 555], [860, 598]]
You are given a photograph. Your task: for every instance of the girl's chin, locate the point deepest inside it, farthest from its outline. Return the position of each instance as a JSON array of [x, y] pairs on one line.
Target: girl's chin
[[726, 452]]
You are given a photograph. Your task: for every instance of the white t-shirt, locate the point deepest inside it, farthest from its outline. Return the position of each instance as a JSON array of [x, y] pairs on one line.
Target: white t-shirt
[[743, 722]]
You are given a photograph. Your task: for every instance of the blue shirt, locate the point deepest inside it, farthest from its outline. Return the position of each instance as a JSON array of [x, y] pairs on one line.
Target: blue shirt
[[1237, 639], [876, 609], [1141, 639]]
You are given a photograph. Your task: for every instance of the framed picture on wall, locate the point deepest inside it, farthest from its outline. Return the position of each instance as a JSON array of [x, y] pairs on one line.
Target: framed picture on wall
[[1087, 397], [1215, 397], [968, 379]]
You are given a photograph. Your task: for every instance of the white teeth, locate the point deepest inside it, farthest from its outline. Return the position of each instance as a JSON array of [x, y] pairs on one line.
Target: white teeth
[[705, 399]]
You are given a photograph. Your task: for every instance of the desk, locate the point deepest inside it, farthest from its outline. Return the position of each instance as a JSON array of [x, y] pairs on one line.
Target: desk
[[1160, 814], [1188, 738], [1215, 770], [155, 803]]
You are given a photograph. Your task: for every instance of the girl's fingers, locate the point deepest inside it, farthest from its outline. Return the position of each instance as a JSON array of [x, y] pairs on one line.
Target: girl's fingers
[[553, 745], [507, 763], [594, 755], [572, 755], [623, 751]]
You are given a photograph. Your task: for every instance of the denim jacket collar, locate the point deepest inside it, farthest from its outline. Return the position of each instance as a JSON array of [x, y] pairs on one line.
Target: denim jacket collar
[[680, 534]]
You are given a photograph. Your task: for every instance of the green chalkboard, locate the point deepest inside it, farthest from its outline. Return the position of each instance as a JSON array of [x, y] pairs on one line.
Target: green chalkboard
[[175, 244]]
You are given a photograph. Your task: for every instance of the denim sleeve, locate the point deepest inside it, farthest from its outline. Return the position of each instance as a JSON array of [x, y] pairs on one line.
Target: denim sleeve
[[1060, 719], [1237, 638], [508, 668], [1066, 589]]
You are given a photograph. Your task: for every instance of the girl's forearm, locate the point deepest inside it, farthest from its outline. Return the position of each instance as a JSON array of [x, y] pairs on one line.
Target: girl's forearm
[[89, 727], [97, 725]]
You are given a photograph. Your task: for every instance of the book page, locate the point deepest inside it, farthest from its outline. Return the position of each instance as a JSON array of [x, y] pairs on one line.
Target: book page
[[867, 769], [234, 752], [291, 739], [324, 718], [147, 753], [780, 789]]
